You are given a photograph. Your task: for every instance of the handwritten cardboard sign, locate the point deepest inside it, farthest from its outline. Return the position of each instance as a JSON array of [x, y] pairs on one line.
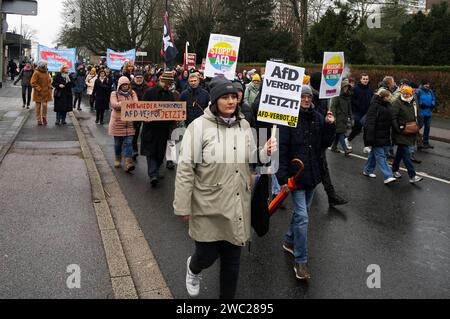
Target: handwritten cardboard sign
[[153, 111]]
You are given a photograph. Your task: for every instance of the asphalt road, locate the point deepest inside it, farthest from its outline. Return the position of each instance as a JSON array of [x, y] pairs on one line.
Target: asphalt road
[[403, 228]]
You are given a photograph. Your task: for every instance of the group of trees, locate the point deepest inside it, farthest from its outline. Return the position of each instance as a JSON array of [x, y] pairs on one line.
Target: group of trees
[[294, 30], [402, 37]]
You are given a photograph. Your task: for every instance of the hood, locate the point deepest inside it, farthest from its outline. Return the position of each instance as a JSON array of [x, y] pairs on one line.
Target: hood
[[123, 80]]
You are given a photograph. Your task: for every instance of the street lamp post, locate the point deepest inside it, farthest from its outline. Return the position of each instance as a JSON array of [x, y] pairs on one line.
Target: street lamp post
[[20, 40], [1, 45]]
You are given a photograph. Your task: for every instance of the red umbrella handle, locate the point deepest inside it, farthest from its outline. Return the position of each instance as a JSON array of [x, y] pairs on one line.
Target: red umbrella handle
[[278, 201]]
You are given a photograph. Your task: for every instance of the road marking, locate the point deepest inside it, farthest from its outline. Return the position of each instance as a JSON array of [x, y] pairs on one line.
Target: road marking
[[426, 175]]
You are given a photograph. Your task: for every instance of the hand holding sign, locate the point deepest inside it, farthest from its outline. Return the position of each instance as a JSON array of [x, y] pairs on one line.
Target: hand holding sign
[[281, 94], [330, 119]]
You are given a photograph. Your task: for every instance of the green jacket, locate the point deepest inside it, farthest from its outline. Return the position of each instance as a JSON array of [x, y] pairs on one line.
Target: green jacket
[[341, 107], [402, 113], [213, 181], [250, 94]]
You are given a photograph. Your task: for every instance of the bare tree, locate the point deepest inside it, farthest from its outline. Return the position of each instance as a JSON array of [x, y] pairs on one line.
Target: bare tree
[[117, 24], [200, 16], [28, 32]]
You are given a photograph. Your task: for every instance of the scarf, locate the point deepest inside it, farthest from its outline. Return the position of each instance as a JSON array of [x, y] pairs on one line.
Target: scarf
[[124, 93], [229, 120], [66, 77]]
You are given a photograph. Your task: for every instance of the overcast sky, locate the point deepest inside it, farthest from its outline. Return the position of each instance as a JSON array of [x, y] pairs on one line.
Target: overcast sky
[[47, 23]]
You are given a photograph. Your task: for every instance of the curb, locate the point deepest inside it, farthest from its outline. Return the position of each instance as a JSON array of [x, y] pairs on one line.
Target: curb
[[440, 139], [18, 124], [122, 282], [115, 214]]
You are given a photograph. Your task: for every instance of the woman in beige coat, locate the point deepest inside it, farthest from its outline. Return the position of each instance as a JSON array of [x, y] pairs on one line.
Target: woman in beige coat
[[213, 187], [90, 83]]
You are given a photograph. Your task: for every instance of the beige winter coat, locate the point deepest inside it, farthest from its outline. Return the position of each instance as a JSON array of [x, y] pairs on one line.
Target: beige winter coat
[[215, 194], [90, 82]]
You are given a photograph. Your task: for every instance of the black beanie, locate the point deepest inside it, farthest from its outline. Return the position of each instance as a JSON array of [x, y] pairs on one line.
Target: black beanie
[[220, 86], [316, 79]]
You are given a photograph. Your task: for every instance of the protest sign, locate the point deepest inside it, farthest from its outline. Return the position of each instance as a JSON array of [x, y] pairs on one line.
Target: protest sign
[[281, 94], [333, 67], [115, 60], [57, 58], [222, 56], [153, 111], [191, 61]]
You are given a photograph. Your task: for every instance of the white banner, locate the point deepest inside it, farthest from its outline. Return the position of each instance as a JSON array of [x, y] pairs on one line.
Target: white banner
[[281, 94], [332, 70], [222, 56]]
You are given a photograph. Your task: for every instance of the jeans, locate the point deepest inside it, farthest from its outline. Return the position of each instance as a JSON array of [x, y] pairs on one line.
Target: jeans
[[123, 143], [298, 229], [340, 138], [26, 94], [153, 166], [378, 155], [404, 153], [230, 255], [61, 117], [425, 122]]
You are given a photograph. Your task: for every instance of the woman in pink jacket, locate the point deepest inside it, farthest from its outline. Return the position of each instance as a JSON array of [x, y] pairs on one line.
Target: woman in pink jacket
[[123, 132]]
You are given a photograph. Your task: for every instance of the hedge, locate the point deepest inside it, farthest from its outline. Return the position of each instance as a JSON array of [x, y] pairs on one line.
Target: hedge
[[438, 76]]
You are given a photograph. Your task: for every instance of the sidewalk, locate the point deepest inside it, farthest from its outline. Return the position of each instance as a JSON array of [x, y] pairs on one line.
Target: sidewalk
[[440, 129], [48, 221]]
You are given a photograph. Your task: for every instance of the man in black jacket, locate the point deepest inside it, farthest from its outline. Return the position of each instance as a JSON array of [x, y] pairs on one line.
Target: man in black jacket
[[321, 105], [305, 142], [361, 98], [156, 134], [140, 87]]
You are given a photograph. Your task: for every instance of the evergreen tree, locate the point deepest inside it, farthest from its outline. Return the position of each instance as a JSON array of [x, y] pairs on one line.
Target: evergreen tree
[[424, 39], [251, 20], [335, 32]]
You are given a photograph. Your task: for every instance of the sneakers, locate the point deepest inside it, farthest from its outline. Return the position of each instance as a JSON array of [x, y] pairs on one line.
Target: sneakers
[[367, 150], [288, 247], [415, 179], [192, 281], [397, 175], [370, 175], [301, 272], [336, 200], [347, 143], [390, 180]]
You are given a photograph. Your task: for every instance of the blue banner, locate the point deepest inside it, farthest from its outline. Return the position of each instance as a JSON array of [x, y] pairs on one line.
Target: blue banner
[[115, 60], [57, 58]]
